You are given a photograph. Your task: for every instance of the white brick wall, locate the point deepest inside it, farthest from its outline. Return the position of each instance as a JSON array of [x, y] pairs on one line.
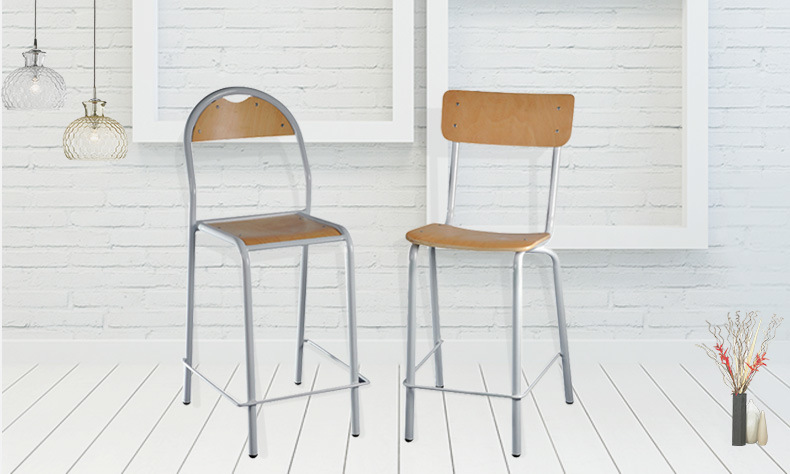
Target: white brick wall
[[622, 61], [97, 249], [326, 60]]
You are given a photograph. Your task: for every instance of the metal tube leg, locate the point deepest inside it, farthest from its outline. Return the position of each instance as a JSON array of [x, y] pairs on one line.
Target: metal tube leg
[[249, 350], [411, 341], [352, 336], [190, 316], [300, 322], [437, 332], [518, 302], [563, 328]]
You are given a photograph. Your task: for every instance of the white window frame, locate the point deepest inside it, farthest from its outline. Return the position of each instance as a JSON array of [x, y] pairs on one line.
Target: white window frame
[[147, 127], [692, 234]]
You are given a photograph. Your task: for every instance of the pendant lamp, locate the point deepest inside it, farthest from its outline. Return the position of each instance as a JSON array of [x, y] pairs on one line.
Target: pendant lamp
[[94, 137], [34, 86]]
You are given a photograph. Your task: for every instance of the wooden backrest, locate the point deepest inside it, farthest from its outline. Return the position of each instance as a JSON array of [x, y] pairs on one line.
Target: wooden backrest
[[259, 115], [496, 118], [252, 117]]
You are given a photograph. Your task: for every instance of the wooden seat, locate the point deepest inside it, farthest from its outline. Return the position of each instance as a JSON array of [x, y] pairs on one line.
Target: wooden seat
[[285, 228], [451, 237]]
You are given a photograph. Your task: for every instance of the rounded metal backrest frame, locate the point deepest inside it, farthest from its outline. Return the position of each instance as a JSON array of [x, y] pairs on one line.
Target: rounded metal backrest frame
[[252, 132]]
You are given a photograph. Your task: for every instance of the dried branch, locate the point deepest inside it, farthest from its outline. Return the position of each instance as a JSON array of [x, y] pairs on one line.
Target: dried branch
[[734, 353], [725, 375], [770, 332]]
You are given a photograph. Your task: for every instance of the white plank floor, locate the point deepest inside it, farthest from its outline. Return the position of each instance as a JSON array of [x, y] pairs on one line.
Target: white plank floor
[[645, 418]]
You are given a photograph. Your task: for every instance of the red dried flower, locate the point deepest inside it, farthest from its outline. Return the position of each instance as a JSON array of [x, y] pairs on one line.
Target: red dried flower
[[724, 358], [759, 361]]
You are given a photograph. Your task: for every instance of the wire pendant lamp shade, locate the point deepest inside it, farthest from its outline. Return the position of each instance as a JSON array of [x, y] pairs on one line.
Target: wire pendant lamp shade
[[34, 86], [95, 137]]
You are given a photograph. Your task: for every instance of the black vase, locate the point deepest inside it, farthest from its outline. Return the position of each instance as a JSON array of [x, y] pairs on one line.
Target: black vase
[[738, 419]]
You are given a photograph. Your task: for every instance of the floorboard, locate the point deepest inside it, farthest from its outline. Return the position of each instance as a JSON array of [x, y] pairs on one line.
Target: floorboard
[[780, 371], [279, 422], [171, 439], [216, 447], [575, 436], [12, 373], [774, 392], [629, 442], [473, 432], [680, 443], [65, 445], [538, 453], [325, 433], [38, 423], [24, 394], [661, 417], [113, 449]]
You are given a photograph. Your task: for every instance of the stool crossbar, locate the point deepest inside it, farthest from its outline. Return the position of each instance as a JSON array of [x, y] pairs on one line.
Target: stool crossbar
[[362, 381], [486, 394], [261, 115], [536, 120]]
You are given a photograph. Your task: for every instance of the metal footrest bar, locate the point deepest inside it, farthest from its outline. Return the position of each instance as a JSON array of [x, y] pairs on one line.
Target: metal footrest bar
[[489, 394], [362, 381], [428, 355]]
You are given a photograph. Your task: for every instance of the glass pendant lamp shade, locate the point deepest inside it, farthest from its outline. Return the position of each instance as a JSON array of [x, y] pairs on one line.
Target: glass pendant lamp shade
[[34, 86], [95, 137]]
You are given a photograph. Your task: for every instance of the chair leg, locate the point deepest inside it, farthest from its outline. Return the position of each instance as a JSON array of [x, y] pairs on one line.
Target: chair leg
[[518, 302], [437, 332], [190, 316], [562, 326], [301, 320], [411, 341], [249, 350], [352, 336]]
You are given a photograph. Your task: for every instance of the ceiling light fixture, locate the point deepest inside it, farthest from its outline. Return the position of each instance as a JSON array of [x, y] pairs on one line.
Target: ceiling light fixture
[[95, 137]]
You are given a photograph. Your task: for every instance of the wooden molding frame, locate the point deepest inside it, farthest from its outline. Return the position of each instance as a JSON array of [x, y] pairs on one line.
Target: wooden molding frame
[[692, 234], [147, 127]]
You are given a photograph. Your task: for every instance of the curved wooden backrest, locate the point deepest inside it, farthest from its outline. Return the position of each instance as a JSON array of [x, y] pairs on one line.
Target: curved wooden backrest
[[496, 118], [252, 117], [259, 115]]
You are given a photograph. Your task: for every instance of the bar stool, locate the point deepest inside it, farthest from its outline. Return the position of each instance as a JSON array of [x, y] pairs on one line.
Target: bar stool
[[261, 115], [534, 120]]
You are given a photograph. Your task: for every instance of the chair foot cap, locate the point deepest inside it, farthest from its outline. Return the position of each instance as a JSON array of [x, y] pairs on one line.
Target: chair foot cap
[[253, 456], [408, 440], [297, 383], [516, 455], [569, 403], [186, 403], [355, 435]]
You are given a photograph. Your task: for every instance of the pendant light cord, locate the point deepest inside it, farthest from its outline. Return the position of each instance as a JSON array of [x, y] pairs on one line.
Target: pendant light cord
[[94, 49], [35, 24]]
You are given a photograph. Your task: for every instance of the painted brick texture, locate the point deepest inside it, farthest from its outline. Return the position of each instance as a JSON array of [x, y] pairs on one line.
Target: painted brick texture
[[622, 62], [97, 250]]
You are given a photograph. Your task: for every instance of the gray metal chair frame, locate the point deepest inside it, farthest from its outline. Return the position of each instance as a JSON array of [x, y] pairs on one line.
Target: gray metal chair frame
[[356, 379], [516, 394]]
